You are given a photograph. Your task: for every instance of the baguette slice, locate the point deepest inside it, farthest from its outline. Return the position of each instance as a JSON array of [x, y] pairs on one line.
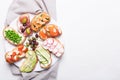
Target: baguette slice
[[30, 62], [11, 41], [44, 57]]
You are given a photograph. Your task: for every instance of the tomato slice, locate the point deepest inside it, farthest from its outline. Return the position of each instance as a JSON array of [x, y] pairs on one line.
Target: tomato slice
[[20, 47], [12, 56], [15, 58], [25, 50], [20, 53], [14, 53], [9, 59]]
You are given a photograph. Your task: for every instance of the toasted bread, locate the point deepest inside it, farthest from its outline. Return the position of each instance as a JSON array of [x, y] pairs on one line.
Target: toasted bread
[[30, 62], [50, 30], [44, 57], [16, 54], [54, 46], [13, 37], [39, 20]]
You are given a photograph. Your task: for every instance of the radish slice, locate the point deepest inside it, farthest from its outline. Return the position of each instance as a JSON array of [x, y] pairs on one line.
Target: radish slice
[[58, 46], [52, 48], [55, 43], [58, 54], [61, 50], [48, 45], [45, 43], [55, 51], [50, 41]]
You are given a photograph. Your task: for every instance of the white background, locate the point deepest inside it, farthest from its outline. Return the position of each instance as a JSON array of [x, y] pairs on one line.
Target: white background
[[91, 30]]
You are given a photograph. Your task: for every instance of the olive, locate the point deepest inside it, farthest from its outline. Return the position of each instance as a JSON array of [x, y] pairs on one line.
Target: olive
[[33, 48], [36, 35], [24, 24], [36, 43], [30, 42], [22, 30]]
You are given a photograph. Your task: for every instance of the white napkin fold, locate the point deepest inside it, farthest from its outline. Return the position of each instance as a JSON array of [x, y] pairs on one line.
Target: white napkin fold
[[19, 7]]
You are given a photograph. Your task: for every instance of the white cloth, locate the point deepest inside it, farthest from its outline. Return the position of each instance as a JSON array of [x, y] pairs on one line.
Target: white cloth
[[32, 6]]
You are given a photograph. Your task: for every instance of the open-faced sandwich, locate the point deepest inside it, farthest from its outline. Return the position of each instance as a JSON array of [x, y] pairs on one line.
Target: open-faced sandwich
[[16, 54], [30, 62], [13, 36], [39, 20], [44, 57], [54, 46], [49, 30], [24, 25]]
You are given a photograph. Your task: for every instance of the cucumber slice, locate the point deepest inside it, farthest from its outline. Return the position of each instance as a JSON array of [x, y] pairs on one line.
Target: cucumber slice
[[44, 57]]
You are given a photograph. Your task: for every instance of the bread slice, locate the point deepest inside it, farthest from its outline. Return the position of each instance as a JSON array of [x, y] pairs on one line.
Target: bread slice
[[18, 38], [16, 54], [39, 20], [44, 57], [54, 46], [30, 62]]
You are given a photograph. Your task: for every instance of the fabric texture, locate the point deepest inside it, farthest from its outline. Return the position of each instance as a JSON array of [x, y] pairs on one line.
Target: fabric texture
[[19, 7]]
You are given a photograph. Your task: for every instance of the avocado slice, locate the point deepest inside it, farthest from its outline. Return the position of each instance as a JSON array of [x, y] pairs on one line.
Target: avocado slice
[[30, 62]]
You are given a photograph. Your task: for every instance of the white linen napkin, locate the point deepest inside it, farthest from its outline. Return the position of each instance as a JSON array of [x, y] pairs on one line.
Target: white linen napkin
[[19, 7]]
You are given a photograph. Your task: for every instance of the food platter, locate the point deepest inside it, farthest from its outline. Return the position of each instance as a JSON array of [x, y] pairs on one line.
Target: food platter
[[15, 23]]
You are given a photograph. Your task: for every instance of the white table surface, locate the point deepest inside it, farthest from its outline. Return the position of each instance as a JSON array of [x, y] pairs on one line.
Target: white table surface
[[91, 30]]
